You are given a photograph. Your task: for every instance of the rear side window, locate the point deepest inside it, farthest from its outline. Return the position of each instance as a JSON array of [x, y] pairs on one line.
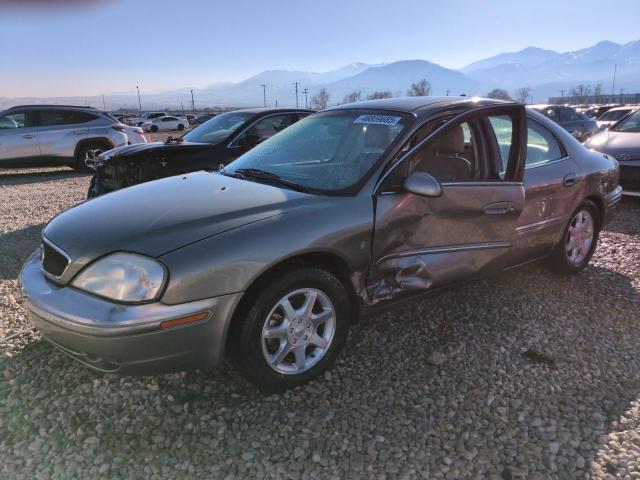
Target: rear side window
[[542, 146], [64, 117]]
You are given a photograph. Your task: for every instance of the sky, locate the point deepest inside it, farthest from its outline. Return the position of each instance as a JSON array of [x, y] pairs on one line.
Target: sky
[[93, 47]]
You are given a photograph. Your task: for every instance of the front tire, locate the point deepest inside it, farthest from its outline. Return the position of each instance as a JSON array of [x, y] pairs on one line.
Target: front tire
[[293, 331], [153, 128], [180, 127], [579, 239]]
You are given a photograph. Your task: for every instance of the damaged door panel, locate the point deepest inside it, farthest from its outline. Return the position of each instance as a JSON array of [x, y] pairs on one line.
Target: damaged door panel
[[421, 242]]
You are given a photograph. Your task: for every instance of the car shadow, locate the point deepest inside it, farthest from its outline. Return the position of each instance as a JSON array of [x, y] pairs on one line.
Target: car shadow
[[487, 376], [16, 177], [16, 246]]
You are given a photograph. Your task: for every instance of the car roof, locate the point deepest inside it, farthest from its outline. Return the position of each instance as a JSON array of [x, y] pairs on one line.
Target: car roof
[[57, 107], [411, 104], [258, 110], [623, 107]]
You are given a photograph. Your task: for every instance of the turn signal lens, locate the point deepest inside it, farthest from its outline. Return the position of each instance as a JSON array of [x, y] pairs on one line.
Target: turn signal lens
[[196, 317]]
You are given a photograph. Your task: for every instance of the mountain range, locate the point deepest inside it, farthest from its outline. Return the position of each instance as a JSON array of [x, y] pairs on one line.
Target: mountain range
[[547, 72]]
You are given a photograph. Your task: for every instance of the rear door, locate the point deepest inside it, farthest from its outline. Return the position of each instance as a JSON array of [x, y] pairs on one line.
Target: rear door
[[18, 137], [420, 243], [550, 177], [59, 131]]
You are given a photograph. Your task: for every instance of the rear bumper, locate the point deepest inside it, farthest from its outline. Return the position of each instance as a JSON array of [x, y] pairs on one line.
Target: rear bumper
[[125, 339]]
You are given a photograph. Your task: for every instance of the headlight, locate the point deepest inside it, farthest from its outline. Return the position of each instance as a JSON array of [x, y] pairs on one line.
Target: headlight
[[125, 277]]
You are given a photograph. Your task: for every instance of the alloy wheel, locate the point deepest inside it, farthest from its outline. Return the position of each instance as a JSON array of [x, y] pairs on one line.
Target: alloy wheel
[[579, 237], [298, 331]]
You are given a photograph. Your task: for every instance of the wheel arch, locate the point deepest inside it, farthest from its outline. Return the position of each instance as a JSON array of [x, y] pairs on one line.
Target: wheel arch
[[598, 201], [323, 260], [102, 140]]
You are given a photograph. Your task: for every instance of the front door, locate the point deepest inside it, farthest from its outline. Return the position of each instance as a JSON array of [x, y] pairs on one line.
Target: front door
[[18, 137], [424, 242]]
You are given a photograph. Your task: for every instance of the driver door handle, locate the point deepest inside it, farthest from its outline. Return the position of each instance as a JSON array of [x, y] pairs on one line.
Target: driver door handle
[[498, 208], [569, 180], [28, 135]]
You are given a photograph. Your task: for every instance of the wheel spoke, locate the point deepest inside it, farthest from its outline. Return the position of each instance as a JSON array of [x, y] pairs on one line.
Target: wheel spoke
[[279, 331], [309, 303], [321, 318], [284, 350], [301, 357], [319, 341], [289, 312]]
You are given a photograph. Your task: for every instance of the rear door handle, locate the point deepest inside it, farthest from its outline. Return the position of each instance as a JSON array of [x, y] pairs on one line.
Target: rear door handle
[[28, 135], [569, 180], [78, 132], [498, 208]]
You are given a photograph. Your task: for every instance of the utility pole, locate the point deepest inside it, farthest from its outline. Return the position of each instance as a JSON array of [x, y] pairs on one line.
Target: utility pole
[[306, 94], [561, 95], [104, 105], [264, 94], [295, 84], [139, 102], [182, 107], [613, 86], [193, 103], [276, 103], [447, 92]]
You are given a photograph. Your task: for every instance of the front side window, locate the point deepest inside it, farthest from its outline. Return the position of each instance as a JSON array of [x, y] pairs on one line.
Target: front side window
[[452, 156], [13, 120], [329, 152], [629, 124], [219, 128], [50, 118], [263, 129], [613, 115]]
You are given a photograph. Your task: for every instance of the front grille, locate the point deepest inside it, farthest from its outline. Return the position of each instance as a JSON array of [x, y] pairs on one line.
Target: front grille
[[53, 261]]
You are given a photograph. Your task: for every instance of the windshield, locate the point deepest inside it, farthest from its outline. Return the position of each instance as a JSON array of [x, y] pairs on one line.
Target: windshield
[[218, 128], [328, 152], [629, 124], [613, 115]]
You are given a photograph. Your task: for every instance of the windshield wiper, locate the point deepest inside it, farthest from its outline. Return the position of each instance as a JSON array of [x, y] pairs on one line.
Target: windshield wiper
[[270, 177]]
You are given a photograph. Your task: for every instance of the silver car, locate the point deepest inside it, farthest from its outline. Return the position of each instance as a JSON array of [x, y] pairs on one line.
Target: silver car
[[271, 259], [37, 135]]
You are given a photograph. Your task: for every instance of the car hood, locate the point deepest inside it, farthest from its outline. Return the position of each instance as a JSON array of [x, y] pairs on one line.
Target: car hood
[[143, 150], [616, 143], [156, 217]]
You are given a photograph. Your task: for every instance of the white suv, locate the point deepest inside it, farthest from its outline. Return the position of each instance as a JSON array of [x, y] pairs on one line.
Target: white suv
[[38, 135]]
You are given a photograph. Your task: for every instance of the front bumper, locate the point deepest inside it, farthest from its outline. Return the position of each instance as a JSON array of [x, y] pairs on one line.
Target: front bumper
[[612, 204], [630, 177], [125, 339]]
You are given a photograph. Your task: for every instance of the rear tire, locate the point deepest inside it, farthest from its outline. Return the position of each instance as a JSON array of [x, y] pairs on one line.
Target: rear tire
[[293, 330], [180, 127], [153, 128], [81, 155], [579, 240]]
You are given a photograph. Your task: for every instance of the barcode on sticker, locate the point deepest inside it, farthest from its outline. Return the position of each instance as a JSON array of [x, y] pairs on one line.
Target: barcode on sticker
[[378, 120]]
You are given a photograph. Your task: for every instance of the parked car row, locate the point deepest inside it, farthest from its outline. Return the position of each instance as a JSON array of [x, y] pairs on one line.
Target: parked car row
[[321, 218]]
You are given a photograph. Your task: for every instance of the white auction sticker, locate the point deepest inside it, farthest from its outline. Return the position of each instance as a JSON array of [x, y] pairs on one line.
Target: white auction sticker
[[378, 120]]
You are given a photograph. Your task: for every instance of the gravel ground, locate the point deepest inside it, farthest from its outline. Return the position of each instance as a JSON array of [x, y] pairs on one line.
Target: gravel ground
[[528, 375]]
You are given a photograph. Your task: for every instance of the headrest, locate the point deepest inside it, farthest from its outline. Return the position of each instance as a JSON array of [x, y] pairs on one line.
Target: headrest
[[451, 142], [377, 136]]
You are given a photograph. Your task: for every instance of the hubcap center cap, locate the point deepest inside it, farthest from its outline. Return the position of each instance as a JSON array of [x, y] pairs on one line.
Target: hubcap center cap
[[299, 332]]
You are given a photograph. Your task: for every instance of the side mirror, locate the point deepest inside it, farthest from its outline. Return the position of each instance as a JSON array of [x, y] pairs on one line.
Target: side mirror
[[577, 134], [423, 184]]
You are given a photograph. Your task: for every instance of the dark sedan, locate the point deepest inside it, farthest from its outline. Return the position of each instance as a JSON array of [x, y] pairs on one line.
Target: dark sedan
[[216, 142], [622, 141], [577, 124], [272, 259]]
